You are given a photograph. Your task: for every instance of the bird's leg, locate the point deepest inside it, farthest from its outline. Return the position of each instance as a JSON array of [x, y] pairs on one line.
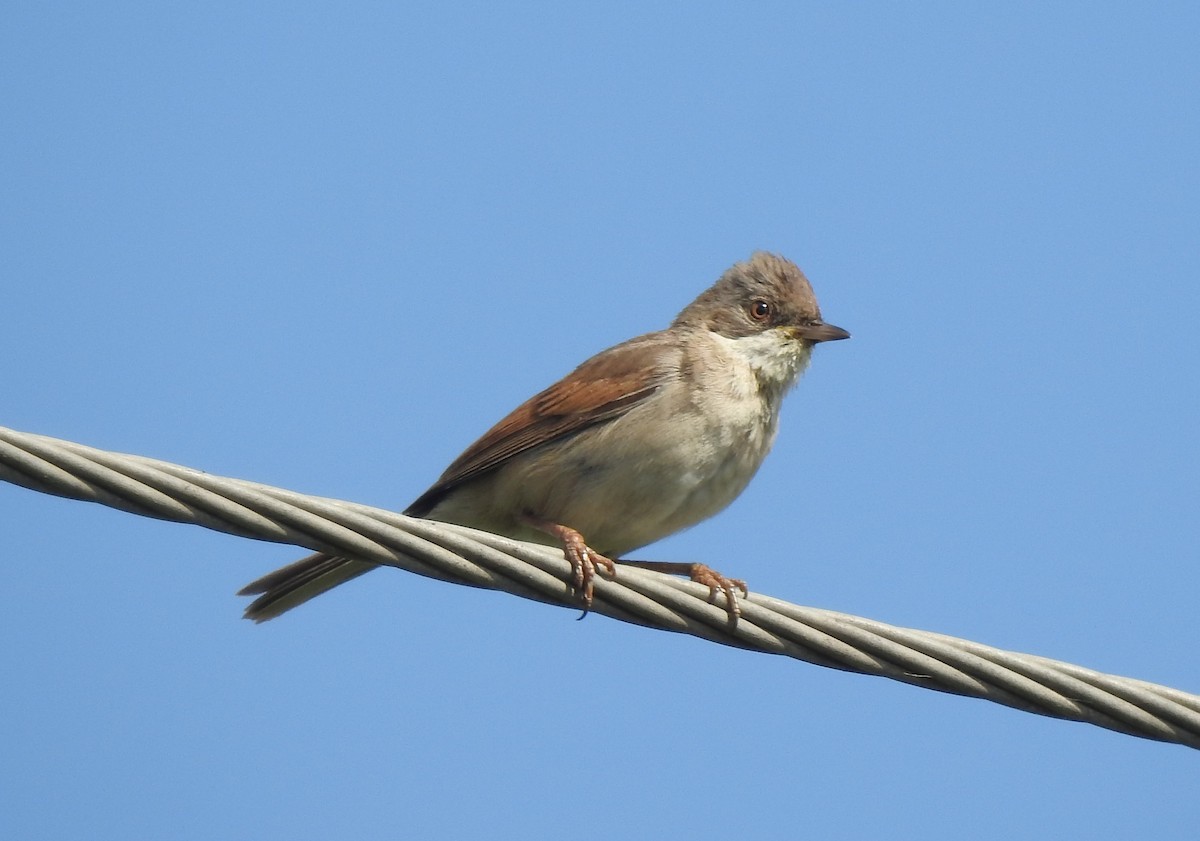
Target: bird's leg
[[583, 558], [705, 575]]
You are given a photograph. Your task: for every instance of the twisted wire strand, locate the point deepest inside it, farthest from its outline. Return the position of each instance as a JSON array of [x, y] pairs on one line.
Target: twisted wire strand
[[461, 555]]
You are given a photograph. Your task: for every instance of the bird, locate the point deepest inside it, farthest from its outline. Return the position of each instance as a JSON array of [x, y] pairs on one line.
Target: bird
[[641, 441]]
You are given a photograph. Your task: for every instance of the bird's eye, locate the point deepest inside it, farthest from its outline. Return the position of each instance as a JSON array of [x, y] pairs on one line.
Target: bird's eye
[[760, 310]]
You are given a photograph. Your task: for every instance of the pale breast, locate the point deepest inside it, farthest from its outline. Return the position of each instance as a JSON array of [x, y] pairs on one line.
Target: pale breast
[[668, 463]]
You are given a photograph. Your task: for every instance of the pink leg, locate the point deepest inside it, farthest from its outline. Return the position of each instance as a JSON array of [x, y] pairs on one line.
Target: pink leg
[[705, 575], [582, 557]]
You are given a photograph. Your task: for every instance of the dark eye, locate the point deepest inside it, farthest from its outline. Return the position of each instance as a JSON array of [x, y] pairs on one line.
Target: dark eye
[[760, 310]]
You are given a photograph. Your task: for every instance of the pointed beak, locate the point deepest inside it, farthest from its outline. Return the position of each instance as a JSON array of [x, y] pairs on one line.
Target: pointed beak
[[821, 332]]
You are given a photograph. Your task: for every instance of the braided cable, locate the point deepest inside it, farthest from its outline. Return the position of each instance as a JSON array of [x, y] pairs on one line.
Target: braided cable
[[461, 555]]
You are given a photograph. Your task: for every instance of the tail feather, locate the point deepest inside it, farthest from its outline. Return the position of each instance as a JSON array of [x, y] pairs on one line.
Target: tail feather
[[296, 583]]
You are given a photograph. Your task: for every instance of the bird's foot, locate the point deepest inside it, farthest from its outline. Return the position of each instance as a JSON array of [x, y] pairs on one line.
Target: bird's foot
[[706, 575], [584, 559]]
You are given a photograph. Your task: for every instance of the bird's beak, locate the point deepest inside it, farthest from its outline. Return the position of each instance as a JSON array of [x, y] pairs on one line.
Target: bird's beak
[[821, 332]]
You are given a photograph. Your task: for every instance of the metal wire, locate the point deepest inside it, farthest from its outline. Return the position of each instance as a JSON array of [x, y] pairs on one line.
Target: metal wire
[[465, 556]]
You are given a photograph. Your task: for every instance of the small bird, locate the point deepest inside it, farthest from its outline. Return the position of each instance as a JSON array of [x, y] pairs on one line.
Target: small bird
[[641, 441]]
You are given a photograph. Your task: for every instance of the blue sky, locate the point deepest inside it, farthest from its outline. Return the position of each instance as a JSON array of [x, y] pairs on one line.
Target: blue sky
[[326, 246]]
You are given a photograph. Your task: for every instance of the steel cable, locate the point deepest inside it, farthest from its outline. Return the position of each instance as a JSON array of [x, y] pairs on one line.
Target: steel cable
[[465, 556]]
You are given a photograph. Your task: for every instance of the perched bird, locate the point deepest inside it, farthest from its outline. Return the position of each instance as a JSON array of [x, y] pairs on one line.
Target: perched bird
[[640, 441]]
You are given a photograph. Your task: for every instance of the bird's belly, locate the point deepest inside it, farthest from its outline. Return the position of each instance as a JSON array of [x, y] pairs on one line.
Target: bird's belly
[[619, 485], [656, 487]]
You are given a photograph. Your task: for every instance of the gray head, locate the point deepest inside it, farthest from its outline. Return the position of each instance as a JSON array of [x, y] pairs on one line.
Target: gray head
[[763, 293]]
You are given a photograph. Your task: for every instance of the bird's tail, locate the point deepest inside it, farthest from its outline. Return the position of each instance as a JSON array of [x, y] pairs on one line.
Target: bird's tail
[[296, 583]]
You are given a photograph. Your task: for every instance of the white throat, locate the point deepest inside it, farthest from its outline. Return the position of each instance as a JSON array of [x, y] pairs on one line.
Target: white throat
[[777, 359]]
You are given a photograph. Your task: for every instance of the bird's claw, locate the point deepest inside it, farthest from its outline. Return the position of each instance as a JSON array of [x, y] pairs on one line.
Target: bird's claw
[[584, 561], [715, 582]]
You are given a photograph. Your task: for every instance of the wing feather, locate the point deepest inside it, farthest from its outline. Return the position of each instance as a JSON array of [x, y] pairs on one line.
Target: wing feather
[[600, 390]]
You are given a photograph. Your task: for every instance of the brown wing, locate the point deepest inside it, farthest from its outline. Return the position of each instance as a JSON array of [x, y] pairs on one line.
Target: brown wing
[[601, 389]]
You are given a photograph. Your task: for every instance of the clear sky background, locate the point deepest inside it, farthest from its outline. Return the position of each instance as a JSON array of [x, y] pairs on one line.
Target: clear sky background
[[326, 246]]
